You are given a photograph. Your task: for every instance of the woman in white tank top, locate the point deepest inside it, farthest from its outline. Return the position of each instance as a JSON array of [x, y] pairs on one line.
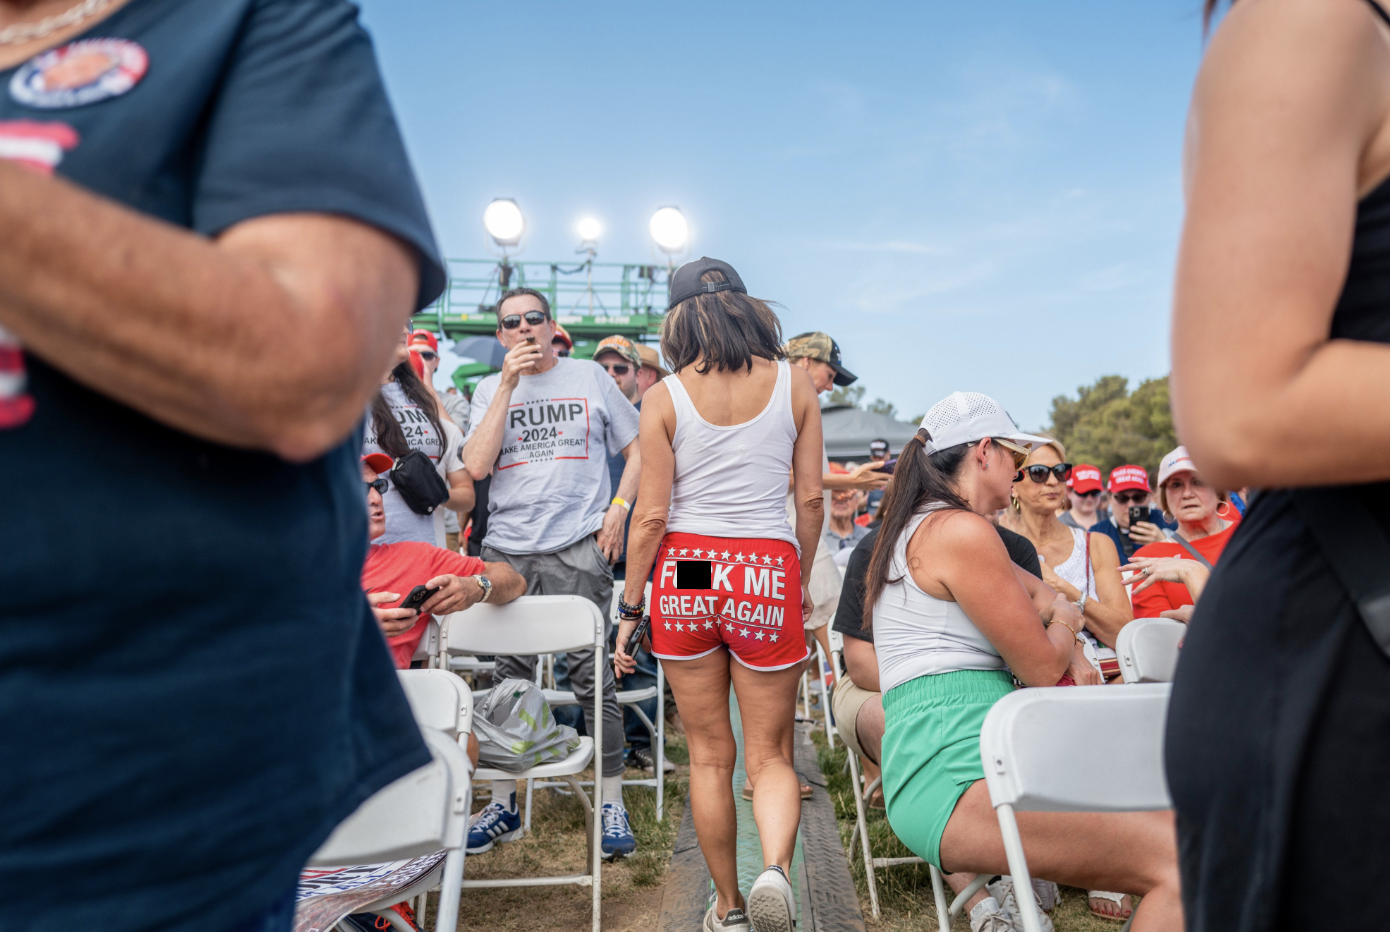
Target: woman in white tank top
[[718, 439], [949, 611]]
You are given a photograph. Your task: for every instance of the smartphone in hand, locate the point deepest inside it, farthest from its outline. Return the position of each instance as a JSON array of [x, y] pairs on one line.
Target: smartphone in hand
[[1137, 513], [418, 596]]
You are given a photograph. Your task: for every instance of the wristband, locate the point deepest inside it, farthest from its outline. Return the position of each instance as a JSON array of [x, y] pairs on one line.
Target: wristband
[[618, 501], [627, 611]]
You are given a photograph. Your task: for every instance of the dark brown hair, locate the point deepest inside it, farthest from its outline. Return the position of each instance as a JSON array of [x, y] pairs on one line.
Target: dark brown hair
[[389, 435], [724, 330], [918, 479], [516, 293]]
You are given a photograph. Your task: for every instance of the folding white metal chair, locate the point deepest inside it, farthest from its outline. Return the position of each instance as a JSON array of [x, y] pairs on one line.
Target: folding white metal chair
[[420, 814], [428, 648], [1149, 649], [946, 913], [1039, 753], [535, 624]]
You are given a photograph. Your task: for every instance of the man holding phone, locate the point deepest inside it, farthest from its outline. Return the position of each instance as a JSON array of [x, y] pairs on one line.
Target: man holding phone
[[543, 429], [1133, 522], [392, 573]]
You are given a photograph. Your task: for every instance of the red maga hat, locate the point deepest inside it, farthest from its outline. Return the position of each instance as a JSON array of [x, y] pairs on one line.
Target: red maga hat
[[1085, 478], [379, 463], [425, 336], [1126, 478]]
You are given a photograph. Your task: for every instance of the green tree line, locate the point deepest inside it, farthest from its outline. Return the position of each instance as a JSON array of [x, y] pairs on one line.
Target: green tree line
[[1107, 425]]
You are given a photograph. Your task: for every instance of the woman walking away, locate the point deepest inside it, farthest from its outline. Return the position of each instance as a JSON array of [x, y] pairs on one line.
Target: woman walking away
[[1201, 538], [1277, 759], [728, 599], [949, 611], [1080, 565]]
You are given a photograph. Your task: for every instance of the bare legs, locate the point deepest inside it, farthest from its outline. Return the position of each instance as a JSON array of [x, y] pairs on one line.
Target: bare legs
[[1132, 851], [767, 708]]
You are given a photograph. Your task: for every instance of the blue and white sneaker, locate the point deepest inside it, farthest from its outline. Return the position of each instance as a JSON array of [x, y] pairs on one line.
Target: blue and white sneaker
[[617, 835], [493, 823]]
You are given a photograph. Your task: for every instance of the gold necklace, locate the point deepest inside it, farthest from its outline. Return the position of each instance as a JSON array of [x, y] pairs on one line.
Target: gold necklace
[[20, 33]]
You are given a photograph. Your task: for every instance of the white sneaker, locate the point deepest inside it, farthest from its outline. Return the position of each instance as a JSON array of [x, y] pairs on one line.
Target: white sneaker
[[1003, 891], [989, 916], [770, 902], [1048, 894]]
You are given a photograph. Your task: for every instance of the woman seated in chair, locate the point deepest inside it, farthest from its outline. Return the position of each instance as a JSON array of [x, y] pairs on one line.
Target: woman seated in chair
[[949, 612]]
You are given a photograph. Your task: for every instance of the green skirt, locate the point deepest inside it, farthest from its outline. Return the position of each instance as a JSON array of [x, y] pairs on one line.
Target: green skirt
[[931, 750]]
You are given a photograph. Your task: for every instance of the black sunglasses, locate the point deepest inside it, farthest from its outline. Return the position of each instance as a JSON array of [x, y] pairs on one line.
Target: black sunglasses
[[1094, 493], [1129, 498], [1038, 472], [380, 484], [617, 368], [534, 318], [427, 356]]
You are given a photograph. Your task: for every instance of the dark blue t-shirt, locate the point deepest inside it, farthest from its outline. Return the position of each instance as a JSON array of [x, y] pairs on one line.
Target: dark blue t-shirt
[[192, 686]]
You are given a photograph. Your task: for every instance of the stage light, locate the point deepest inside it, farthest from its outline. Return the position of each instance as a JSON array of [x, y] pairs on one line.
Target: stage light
[[589, 230], [669, 230], [503, 221]]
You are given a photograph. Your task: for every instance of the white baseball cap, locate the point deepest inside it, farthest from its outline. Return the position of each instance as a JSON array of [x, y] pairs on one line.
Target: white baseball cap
[[964, 417], [1175, 462]]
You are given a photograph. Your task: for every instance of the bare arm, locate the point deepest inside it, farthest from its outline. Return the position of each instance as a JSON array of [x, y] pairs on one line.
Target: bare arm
[[1110, 611], [807, 478], [658, 472], [861, 660], [461, 494], [206, 336], [457, 593], [610, 536], [958, 555], [1288, 129], [480, 453]]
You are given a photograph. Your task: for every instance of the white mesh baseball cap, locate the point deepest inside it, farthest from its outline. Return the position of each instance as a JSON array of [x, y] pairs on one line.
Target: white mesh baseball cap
[[964, 417]]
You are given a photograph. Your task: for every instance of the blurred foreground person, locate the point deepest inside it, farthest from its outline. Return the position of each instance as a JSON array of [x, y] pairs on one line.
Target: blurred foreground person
[[1277, 758], [195, 693], [729, 595]]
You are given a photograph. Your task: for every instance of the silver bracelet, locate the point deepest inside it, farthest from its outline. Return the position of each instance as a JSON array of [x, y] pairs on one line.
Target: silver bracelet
[[1081, 605]]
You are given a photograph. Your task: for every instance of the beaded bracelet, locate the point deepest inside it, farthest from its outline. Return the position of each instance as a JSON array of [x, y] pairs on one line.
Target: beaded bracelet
[[632, 611]]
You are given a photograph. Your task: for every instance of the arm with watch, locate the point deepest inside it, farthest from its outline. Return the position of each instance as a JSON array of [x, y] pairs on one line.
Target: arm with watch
[[498, 583]]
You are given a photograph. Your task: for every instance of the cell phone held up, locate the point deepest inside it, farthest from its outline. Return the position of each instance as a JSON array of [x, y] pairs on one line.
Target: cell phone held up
[[1137, 513], [635, 642], [417, 597]]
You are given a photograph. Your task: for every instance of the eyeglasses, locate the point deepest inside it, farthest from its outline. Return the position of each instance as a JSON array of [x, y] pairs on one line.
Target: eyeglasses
[[427, 356], [534, 318], [1130, 498], [617, 368], [561, 351], [1094, 493], [1038, 472], [380, 484]]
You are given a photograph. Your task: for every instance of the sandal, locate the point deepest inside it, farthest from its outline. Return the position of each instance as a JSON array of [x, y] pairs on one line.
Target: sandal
[[805, 788], [1122, 913]]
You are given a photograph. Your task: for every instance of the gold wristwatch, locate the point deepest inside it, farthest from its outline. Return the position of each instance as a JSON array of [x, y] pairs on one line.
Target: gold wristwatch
[[485, 584]]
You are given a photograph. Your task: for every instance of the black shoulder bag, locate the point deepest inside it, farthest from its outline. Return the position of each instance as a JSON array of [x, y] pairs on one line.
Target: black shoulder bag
[[1356, 547], [419, 483]]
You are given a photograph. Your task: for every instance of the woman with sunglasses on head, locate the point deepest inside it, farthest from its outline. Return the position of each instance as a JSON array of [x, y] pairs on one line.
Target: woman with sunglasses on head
[[729, 595], [949, 613], [406, 416]]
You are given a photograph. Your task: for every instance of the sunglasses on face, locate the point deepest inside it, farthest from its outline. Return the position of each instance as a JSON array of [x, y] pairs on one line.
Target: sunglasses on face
[[617, 368], [427, 356], [380, 484], [1038, 472], [1094, 493], [1130, 498], [534, 318]]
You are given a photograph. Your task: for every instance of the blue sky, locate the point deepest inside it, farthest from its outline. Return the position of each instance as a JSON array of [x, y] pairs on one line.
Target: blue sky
[[976, 196]]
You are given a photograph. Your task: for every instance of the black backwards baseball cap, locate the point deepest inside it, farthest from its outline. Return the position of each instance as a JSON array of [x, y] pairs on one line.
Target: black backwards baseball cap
[[685, 283]]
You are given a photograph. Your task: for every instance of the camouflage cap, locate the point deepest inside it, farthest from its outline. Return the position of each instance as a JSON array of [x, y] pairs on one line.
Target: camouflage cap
[[817, 345], [620, 345]]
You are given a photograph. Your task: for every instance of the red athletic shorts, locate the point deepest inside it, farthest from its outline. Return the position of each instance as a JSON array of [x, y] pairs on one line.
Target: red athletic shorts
[[739, 592]]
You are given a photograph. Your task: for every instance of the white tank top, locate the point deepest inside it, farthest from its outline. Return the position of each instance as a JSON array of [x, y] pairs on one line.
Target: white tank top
[[732, 481], [916, 634], [1074, 569]]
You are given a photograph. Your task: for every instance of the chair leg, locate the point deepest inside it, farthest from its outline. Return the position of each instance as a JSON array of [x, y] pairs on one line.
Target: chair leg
[[963, 897], [1018, 868], [530, 786], [861, 828], [938, 889], [824, 696], [446, 917]]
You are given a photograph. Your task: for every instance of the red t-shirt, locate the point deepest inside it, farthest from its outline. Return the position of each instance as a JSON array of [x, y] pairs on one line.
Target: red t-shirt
[[402, 566], [1162, 596]]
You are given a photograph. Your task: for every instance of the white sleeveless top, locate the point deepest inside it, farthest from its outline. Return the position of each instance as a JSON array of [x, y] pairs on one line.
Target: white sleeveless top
[[732, 481], [1074, 570], [916, 634]]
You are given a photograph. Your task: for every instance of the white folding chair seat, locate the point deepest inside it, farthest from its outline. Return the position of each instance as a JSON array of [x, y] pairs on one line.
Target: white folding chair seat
[[539, 624], [423, 812], [1149, 649], [1039, 753]]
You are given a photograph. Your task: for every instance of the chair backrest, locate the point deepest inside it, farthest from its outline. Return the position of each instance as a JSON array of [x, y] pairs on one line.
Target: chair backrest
[[1077, 749], [429, 641], [533, 624], [439, 700], [1149, 649], [422, 812]]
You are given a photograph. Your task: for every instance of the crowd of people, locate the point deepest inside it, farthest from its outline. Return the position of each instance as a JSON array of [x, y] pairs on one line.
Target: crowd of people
[[199, 655]]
